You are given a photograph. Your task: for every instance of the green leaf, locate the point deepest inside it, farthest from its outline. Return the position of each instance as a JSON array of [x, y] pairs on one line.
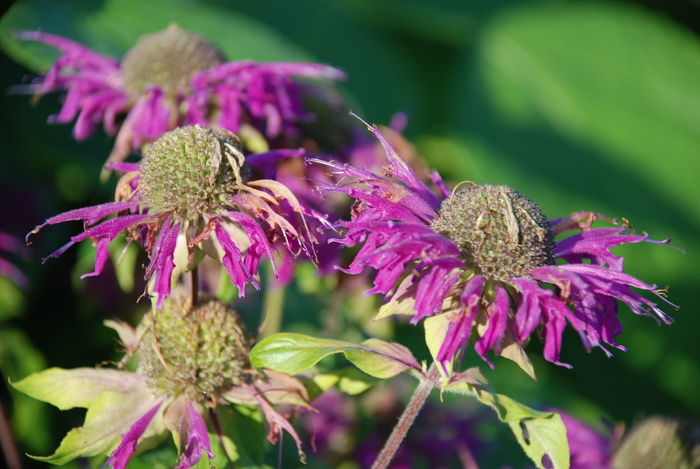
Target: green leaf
[[11, 298], [542, 435], [293, 353], [110, 416], [349, 380], [29, 420], [79, 387], [244, 426], [435, 332]]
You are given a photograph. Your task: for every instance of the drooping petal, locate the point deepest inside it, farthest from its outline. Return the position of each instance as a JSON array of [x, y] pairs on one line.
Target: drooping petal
[[233, 261], [459, 331], [554, 324], [497, 313], [197, 438], [120, 457], [277, 422], [162, 263]]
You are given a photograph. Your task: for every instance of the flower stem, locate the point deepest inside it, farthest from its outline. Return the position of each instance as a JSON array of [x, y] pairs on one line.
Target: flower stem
[[410, 413], [7, 444], [195, 286], [273, 306]]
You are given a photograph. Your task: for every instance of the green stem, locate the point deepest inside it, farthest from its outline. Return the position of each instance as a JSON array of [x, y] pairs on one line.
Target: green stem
[[407, 418], [273, 307]]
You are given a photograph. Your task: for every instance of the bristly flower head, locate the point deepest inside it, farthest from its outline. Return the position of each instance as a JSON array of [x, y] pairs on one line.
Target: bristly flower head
[[481, 265], [191, 196], [190, 360], [169, 79]]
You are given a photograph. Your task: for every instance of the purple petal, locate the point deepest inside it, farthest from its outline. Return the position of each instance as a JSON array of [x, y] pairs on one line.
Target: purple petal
[[458, 332], [529, 313], [401, 169], [233, 261], [120, 457], [595, 245], [259, 243], [162, 264], [554, 324], [497, 313], [90, 215], [197, 440]]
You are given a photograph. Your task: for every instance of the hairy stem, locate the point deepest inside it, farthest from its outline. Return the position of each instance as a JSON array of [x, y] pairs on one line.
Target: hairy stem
[[407, 418]]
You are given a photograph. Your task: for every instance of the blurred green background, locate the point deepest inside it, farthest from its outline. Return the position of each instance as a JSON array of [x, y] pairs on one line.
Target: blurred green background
[[579, 105]]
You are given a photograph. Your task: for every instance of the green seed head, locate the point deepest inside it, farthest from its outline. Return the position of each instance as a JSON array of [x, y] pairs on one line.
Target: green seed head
[[660, 443], [169, 59], [191, 171], [200, 351], [500, 233]]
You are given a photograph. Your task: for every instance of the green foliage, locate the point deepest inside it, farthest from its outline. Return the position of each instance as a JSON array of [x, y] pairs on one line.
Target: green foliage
[[579, 105], [293, 353], [67, 389], [542, 435]]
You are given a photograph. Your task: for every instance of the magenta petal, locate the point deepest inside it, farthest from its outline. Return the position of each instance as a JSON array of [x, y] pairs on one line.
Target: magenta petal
[[91, 215], [458, 332], [259, 243], [110, 228], [555, 322], [589, 448], [101, 257], [197, 440], [529, 313], [120, 457], [431, 291], [233, 261], [497, 313], [402, 171], [162, 264]]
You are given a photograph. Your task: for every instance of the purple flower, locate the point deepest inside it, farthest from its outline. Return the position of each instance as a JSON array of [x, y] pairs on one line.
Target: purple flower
[[191, 196], [191, 362], [481, 265], [169, 79], [589, 448]]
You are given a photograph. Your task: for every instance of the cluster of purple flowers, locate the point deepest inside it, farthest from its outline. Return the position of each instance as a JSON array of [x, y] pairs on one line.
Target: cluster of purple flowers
[[480, 265]]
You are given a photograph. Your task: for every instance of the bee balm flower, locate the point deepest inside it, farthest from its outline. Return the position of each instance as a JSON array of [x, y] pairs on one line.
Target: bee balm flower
[[481, 264], [191, 195], [169, 79], [191, 361]]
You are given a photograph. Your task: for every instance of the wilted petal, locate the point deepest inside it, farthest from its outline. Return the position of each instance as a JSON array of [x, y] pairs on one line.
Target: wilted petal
[[197, 438]]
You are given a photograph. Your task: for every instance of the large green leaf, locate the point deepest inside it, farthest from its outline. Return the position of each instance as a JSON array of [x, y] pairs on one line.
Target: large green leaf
[[79, 387], [110, 416], [112, 27], [293, 353]]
